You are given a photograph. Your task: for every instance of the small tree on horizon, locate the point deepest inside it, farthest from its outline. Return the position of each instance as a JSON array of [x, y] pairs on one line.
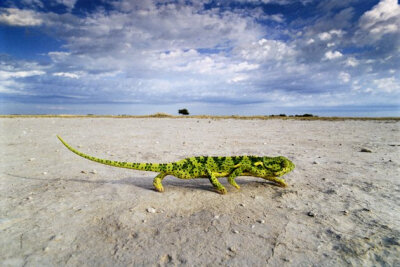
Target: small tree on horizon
[[183, 111]]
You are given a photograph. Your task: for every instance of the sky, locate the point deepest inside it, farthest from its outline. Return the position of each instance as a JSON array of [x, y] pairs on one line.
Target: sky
[[242, 57]]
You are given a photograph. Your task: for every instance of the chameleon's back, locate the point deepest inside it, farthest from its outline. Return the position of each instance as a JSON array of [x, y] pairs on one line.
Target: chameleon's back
[[219, 164]]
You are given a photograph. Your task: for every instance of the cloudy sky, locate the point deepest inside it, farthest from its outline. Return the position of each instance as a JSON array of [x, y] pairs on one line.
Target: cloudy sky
[[326, 57]]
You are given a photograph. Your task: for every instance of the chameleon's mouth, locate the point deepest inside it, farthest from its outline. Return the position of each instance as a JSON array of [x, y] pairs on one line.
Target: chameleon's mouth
[[291, 165]]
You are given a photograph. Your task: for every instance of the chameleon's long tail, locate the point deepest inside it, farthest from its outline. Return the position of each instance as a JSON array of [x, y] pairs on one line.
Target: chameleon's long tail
[[129, 165]]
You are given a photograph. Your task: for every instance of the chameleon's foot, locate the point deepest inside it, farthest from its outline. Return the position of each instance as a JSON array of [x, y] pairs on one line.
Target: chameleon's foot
[[159, 189], [217, 185], [233, 183], [157, 182], [282, 184], [279, 182], [222, 191]]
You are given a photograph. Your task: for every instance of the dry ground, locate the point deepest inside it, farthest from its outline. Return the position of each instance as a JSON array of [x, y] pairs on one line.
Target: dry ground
[[342, 205]]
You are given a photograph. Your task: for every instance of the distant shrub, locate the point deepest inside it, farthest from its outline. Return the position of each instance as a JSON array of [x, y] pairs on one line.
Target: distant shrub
[[282, 115], [160, 115], [183, 111], [305, 115]]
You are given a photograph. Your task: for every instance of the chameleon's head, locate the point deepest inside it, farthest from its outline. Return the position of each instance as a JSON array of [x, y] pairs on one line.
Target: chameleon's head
[[278, 166]]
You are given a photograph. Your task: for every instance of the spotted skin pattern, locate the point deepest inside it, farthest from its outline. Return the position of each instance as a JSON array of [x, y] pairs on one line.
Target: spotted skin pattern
[[268, 168]]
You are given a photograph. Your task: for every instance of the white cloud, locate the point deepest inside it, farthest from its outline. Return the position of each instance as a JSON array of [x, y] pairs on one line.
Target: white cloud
[[352, 62], [194, 62], [243, 66], [275, 17], [148, 26], [8, 87], [330, 55], [19, 74], [387, 85], [19, 17], [11, 75], [266, 50], [339, 33], [383, 29], [344, 77], [326, 36], [58, 56], [382, 19], [66, 74], [179, 54], [68, 3], [202, 65], [238, 78], [310, 41], [383, 11]]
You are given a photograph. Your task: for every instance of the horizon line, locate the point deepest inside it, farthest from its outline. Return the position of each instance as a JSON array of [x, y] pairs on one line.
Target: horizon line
[[306, 116]]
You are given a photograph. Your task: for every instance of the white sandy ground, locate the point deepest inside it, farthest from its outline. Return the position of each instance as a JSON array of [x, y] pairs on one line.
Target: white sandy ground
[[342, 206]]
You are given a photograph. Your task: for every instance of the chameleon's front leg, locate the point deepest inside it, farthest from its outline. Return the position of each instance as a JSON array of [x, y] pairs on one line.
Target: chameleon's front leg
[[157, 182], [277, 180], [217, 185]]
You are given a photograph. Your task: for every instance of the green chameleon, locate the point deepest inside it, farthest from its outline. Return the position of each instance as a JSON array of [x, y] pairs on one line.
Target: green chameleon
[[268, 168]]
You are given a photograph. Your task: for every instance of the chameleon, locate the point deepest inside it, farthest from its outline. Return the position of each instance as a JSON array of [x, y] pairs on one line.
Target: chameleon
[[268, 168]]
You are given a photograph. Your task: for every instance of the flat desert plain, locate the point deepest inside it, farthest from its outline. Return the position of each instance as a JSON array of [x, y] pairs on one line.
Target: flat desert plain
[[342, 206]]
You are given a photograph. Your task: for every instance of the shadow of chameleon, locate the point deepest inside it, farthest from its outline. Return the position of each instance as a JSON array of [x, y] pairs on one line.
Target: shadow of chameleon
[[147, 182]]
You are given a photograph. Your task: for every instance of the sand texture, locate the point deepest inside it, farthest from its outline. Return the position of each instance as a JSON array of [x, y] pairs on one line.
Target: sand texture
[[342, 206]]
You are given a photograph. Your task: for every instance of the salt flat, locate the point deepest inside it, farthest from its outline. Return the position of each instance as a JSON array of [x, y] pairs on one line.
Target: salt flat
[[342, 206]]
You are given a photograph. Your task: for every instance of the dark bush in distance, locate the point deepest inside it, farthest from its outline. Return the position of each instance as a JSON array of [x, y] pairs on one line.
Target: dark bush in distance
[[305, 115], [183, 111]]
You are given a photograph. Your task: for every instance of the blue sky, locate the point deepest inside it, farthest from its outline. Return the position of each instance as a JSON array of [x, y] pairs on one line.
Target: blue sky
[[246, 57]]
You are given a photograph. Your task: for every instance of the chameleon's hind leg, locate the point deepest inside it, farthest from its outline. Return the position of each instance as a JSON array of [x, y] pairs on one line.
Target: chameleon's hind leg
[[217, 185], [157, 182], [233, 175]]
